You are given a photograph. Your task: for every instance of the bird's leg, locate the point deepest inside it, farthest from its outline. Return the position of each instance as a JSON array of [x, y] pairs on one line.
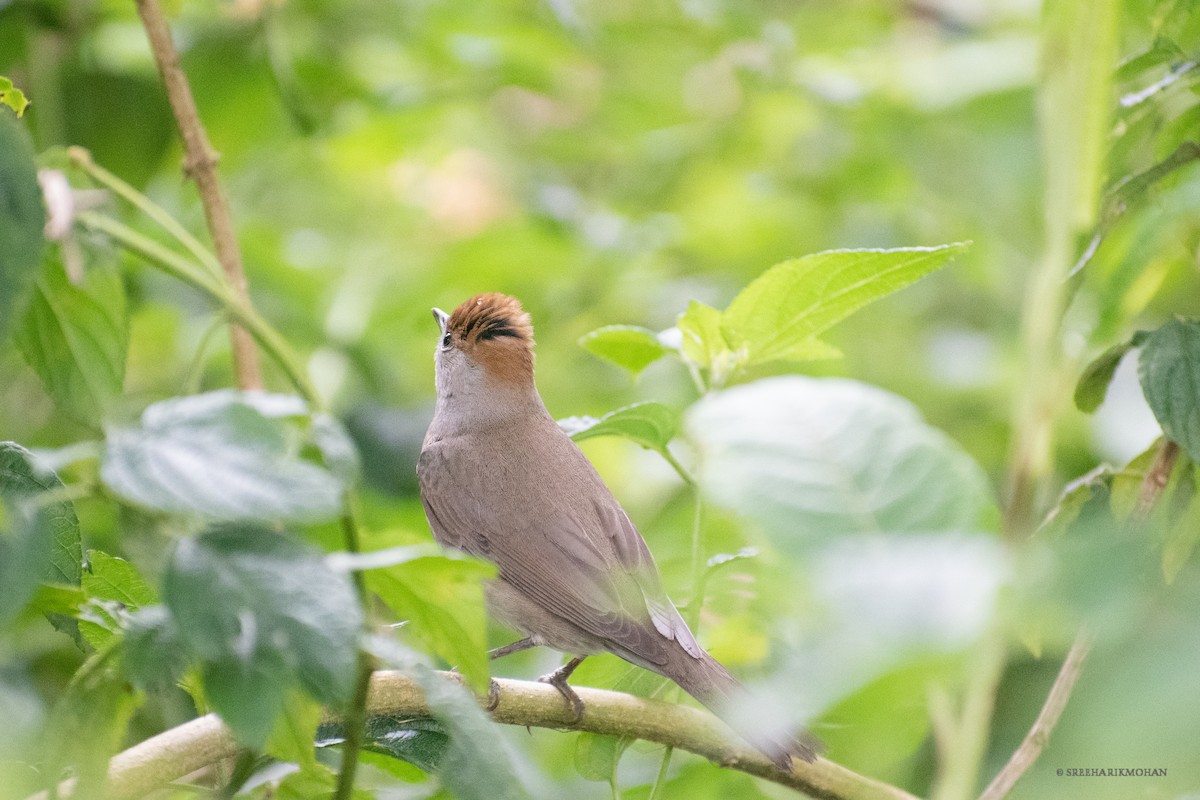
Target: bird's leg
[[509, 649], [558, 679]]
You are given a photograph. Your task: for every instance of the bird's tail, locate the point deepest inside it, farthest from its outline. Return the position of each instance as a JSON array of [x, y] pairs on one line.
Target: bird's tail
[[706, 680]]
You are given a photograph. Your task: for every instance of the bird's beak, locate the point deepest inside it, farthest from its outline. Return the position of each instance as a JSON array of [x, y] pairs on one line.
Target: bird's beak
[[440, 317]]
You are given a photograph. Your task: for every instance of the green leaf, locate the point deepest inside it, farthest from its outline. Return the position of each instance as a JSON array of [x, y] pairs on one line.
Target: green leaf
[[1093, 383], [22, 218], [651, 425], [118, 585], [43, 543], [223, 455], [812, 458], [262, 611], [75, 339], [442, 597], [703, 343], [1169, 369], [629, 347], [419, 741], [12, 97], [786, 307]]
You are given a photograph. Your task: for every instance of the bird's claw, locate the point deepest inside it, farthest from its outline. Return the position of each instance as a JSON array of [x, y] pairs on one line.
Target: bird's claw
[[493, 695], [559, 681]]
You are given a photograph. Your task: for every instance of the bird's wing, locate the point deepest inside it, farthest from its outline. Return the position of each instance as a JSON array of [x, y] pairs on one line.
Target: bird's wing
[[580, 559]]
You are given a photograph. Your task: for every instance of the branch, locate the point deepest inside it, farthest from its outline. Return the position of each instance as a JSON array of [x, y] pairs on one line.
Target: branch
[[180, 751], [1155, 481], [1039, 735], [200, 163]]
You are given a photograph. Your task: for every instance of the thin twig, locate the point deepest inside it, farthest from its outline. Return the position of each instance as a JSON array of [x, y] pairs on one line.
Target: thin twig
[[201, 164], [180, 751], [1039, 735], [1155, 481]]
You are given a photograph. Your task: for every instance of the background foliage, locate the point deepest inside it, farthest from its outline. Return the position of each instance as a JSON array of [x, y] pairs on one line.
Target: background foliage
[[867, 549]]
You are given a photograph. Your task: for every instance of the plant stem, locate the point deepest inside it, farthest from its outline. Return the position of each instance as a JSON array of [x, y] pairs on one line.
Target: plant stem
[[187, 271], [1039, 735], [661, 779], [959, 772], [81, 158], [1157, 477], [201, 164]]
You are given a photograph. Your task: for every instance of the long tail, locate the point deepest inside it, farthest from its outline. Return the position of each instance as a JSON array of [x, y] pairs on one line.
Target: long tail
[[706, 680]]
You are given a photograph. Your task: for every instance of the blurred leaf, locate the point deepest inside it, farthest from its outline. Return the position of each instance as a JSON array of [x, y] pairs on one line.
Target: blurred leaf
[[442, 597], [75, 339], [1184, 536], [1161, 51], [597, 756], [829, 457], [1079, 51], [703, 342], [477, 765], [627, 346], [113, 579], [781, 312], [262, 611], [651, 425], [316, 781], [153, 655], [1169, 369], [12, 97], [43, 543], [87, 727], [224, 455], [296, 731], [884, 722], [22, 217], [1091, 488]]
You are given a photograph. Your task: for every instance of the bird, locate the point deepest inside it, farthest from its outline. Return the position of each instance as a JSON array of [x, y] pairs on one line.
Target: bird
[[501, 481]]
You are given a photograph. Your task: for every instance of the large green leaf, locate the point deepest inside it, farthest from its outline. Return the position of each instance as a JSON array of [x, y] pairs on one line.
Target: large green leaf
[[262, 611], [627, 346], [75, 339], [1169, 368], [651, 425], [43, 542], [819, 458], [22, 218], [442, 598], [223, 455], [780, 314]]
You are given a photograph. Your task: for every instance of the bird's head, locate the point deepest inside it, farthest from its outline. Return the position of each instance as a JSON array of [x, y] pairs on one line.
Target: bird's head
[[485, 348]]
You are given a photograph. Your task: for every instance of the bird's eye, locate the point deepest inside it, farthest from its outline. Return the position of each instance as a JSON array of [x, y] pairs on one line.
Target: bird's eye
[[446, 340]]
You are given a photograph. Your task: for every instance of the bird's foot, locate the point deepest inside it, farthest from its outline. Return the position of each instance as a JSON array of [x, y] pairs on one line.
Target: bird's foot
[[493, 696], [558, 679]]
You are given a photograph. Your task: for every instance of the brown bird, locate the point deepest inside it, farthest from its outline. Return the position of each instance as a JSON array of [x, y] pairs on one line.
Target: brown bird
[[500, 480]]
